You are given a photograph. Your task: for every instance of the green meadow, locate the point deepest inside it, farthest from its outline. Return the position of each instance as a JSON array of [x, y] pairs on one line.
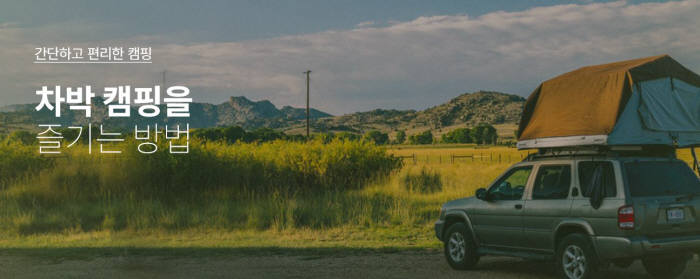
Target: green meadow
[[256, 196]]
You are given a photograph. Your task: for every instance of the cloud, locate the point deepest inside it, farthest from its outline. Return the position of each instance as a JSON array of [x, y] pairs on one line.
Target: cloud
[[414, 64], [365, 24]]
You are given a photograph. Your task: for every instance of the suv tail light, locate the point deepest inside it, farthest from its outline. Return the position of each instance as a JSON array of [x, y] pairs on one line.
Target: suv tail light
[[625, 217]]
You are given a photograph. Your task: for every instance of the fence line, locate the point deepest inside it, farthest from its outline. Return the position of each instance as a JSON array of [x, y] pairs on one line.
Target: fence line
[[413, 156], [452, 158]]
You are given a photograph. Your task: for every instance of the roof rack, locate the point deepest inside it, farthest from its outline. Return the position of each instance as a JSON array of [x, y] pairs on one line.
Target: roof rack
[[604, 151]]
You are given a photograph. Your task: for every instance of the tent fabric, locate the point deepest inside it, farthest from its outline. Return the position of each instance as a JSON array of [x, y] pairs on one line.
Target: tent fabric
[[669, 106], [632, 129], [589, 101]]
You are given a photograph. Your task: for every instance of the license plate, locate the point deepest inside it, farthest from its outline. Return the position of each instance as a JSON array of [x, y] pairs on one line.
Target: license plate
[[675, 214]]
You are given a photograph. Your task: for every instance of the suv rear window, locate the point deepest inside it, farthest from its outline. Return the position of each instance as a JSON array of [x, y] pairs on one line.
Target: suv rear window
[[661, 178], [591, 173]]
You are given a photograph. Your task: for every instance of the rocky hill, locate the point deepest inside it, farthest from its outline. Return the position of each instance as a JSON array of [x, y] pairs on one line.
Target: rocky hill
[[473, 108], [465, 110]]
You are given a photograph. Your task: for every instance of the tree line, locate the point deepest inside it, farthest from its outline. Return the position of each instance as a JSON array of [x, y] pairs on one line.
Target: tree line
[[481, 134]]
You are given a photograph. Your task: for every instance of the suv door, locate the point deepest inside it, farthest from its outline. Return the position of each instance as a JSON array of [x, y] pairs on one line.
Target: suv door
[[498, 221], [547, 206], [604, 175]]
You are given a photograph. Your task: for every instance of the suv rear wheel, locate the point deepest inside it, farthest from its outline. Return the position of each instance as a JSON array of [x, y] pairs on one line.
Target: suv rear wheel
[[665, 268], [575, 257], [460, 249]]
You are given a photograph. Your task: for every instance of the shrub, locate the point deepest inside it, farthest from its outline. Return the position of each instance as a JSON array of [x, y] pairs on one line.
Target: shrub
[[347, 136], [400, 137], [422, 138], [324, 138], [484, 134], [263, 135], [233, 134], [19, 160], [460, 135], [377, 137], [21, 137]]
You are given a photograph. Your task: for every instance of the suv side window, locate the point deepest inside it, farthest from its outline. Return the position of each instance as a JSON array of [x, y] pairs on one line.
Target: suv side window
[[600, 175], [512, 185], [552, 182]]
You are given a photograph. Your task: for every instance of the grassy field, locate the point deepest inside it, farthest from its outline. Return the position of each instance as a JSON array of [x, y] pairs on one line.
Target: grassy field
[[272, 197]]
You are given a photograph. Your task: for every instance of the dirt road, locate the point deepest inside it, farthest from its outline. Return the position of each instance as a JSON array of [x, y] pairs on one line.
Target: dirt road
[[370, 265]]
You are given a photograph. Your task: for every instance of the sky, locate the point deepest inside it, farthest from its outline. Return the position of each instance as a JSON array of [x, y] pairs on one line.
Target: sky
[[394, 54]]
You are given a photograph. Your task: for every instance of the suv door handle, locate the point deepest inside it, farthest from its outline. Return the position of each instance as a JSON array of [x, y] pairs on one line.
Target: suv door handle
[[518, 206]]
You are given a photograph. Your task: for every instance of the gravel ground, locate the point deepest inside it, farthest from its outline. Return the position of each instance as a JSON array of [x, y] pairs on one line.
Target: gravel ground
[[370, 265]]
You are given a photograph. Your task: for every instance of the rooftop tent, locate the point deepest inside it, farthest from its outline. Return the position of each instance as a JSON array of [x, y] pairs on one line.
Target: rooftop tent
[[653, 100]]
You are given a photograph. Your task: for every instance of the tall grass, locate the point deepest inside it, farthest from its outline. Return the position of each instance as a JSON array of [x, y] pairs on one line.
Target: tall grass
[[426, 181], [17, 160], [215, 185], [237, 170]]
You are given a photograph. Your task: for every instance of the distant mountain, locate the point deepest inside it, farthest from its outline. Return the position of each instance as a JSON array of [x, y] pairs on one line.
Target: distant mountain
[[243, 112], [466, 110], [238, 111]]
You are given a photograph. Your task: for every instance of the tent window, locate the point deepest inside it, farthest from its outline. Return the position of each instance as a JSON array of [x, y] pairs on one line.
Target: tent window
[[669, 106]]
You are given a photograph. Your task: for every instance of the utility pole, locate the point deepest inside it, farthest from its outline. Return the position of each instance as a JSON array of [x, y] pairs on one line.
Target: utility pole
[[308, 78]]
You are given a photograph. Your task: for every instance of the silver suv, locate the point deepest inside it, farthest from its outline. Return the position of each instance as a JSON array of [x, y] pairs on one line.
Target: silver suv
[[584, 212]]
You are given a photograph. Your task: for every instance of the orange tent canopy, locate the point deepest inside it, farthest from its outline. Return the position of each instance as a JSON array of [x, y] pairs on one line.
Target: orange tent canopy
[[589, 101]]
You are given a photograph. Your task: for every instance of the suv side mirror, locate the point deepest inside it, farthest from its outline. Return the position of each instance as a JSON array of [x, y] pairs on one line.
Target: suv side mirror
[[482, 194]]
